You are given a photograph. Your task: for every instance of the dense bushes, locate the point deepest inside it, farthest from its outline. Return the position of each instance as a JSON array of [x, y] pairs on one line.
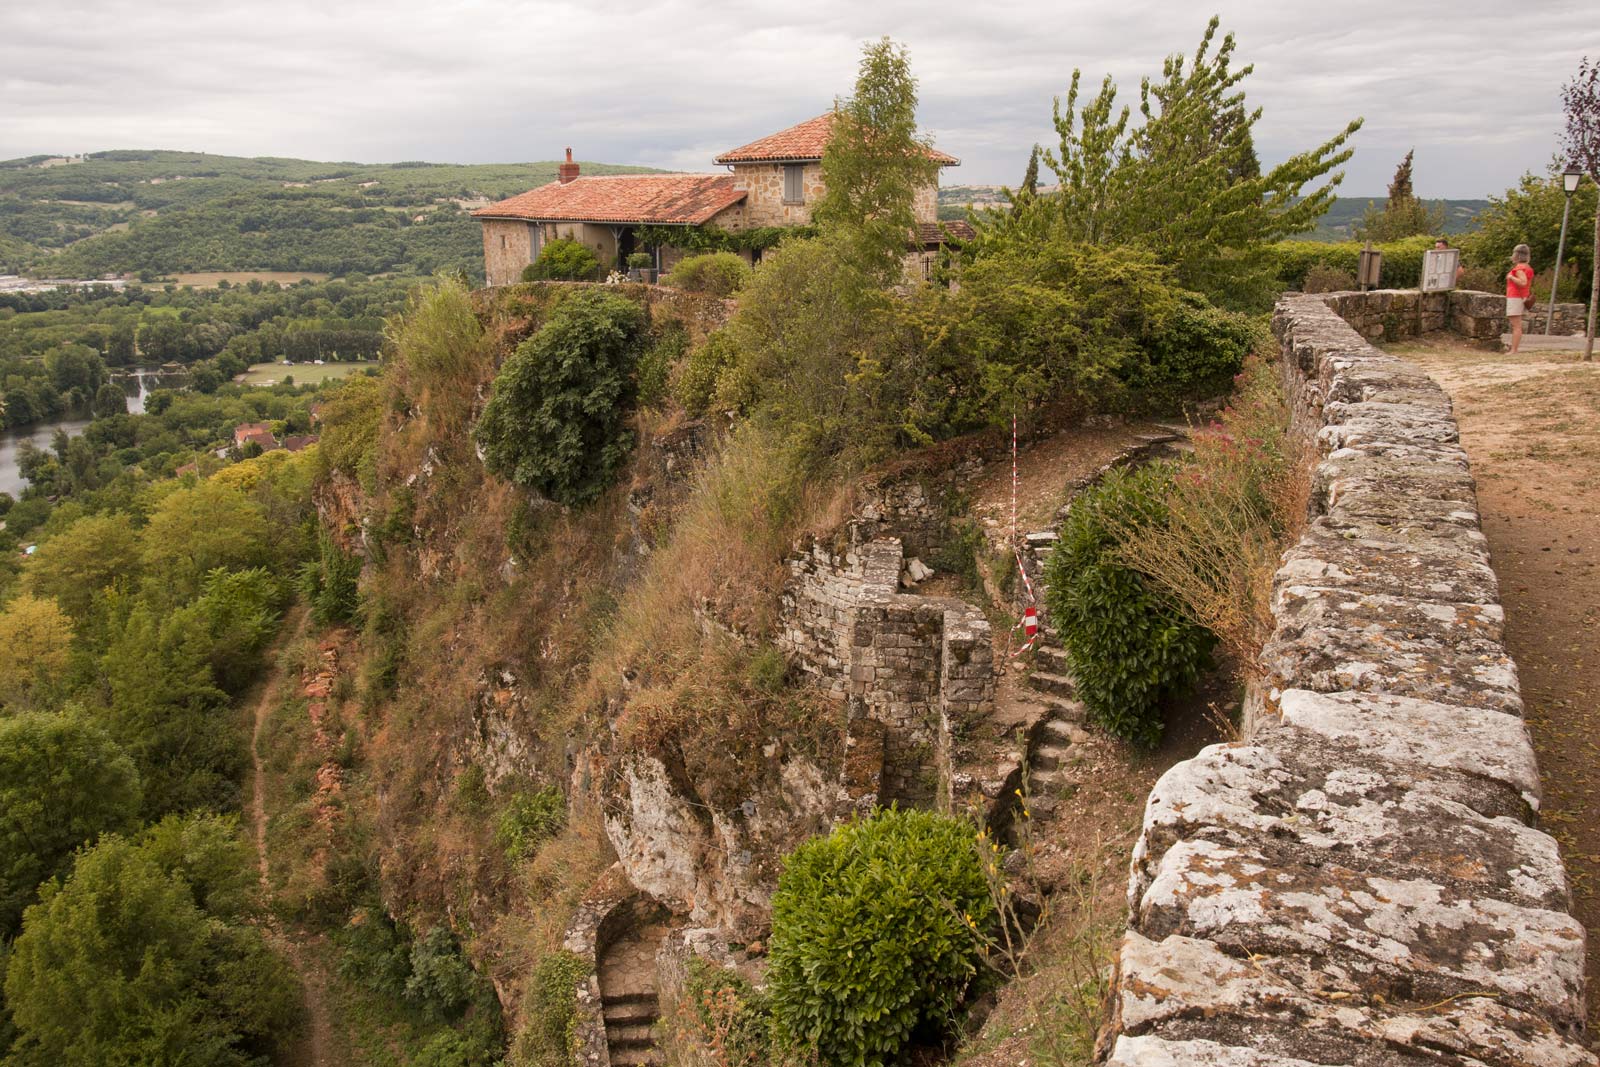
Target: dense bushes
[[716, 273], [1129, 642], [1402, 260], [555, 421], [870, 942], [563, 260]]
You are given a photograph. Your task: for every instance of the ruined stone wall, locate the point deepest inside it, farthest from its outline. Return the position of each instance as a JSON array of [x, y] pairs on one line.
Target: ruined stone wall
[[1360, 881], [1387, 315], [1570, 319], [919, 667]]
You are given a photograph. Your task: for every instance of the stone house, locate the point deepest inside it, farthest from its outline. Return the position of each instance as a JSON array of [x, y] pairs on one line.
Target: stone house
[[773, 181]]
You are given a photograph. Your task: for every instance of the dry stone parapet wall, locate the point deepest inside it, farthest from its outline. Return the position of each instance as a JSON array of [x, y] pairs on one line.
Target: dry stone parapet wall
[[1361, 881]]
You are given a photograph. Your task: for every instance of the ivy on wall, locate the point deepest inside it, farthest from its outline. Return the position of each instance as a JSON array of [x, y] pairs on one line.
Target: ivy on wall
[[695, 239]]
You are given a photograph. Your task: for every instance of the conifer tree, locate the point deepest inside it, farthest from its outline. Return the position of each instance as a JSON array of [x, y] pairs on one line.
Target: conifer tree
[[1403, 215]]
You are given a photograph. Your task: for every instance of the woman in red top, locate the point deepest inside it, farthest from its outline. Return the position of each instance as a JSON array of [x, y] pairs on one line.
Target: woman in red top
[[1519, 292]]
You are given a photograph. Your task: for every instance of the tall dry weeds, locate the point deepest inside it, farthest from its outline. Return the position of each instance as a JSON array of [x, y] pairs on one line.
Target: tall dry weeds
[[1231, 509]]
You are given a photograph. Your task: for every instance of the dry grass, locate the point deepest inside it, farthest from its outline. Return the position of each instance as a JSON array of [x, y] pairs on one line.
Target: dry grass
[[1231, 509]]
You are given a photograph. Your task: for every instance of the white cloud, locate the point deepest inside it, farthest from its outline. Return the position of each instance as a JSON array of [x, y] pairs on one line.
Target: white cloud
[[671, 83]]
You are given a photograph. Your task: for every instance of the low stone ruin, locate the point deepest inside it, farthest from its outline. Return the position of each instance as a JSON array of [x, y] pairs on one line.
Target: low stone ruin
[[1361, 880]]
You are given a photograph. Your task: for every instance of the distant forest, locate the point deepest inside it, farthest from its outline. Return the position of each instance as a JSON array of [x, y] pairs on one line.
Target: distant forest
[[1337, 225], [154, 213]]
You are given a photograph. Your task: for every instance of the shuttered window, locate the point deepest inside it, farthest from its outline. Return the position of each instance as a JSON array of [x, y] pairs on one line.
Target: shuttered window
[[794, 186]]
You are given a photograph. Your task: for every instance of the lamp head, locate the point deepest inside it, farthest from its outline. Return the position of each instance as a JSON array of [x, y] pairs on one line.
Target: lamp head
[[1570, 178]]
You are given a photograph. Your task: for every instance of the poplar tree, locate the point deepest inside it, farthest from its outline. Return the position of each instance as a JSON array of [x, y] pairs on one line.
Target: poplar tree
[[875, 162]]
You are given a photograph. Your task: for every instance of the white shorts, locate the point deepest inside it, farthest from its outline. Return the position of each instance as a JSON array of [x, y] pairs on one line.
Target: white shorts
[[1513, 306]]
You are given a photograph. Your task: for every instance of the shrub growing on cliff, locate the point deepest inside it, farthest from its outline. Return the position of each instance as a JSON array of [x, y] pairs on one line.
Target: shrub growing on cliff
[[562, 260], [1130, 644], [716, 273], [555, 419], [869, 941]]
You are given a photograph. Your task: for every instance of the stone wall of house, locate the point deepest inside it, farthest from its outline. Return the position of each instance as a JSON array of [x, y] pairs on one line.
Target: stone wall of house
[[507, 248], [764, 206], [920, 667], [1361, 879], [926, 204]]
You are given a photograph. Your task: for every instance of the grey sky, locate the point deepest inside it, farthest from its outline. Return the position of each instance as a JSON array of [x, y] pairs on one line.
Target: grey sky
[[672, 82]]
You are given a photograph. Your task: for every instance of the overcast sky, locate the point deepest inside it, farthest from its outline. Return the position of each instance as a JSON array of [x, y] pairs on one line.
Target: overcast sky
[[672, 82]]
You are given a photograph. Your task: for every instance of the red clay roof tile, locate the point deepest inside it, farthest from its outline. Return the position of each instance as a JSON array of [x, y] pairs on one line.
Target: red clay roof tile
[[652, 199], [799, 143]]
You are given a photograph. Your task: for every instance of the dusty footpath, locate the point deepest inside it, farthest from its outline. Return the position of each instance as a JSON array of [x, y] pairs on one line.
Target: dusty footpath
[[1531, 425]]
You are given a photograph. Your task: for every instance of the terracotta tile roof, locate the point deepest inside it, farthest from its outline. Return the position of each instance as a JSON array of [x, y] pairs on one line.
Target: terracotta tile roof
[[933, 233], [657, 199], [799, 143]]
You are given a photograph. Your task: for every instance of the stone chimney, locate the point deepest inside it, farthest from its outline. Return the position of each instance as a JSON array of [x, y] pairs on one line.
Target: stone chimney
[[568, 171]]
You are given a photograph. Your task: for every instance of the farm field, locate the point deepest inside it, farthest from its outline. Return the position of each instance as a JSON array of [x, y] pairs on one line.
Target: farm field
[[208, 279], [273, 373]]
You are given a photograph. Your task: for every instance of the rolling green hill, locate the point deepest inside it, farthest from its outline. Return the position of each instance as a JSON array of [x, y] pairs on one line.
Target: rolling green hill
[[157, 212]]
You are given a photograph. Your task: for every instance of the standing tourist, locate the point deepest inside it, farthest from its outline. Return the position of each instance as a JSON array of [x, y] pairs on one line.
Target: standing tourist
[[1519, 292]]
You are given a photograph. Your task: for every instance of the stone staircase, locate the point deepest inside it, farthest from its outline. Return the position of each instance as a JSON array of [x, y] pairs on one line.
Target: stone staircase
[[628, 997], [1059, 725]]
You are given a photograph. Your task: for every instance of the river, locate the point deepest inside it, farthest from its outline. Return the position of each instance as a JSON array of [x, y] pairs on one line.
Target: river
[[137, 384]]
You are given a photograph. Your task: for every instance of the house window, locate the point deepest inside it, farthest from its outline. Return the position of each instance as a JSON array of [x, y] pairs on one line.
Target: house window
[[502, 242], [794, 186]]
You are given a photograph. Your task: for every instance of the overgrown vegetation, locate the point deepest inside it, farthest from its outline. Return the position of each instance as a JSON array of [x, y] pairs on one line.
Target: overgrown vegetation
[[563, 260], [555, 420]]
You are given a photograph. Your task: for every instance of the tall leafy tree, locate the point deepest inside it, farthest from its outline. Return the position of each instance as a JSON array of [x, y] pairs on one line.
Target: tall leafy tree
[[35, 644], [1182, 182], [876, 162], [1580, 100], [63, 782]]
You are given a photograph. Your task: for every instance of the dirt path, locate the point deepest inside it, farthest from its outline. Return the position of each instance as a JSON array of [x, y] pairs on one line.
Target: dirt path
[[313, 1050], [1531, 425]]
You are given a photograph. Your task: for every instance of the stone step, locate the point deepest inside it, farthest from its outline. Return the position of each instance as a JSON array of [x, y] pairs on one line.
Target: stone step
[[1052, 658], [631, 1015], [645, 997], [1049, 757], [1065, 708], [637, 1057], [1046, 682], [634, 1036], [1061, 732], [1041, 538]]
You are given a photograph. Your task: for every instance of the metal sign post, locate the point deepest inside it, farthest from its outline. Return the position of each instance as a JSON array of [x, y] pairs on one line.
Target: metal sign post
[[1370, 269]]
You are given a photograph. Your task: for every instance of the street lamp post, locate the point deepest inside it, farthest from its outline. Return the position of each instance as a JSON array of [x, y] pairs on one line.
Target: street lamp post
[[1569, 182]]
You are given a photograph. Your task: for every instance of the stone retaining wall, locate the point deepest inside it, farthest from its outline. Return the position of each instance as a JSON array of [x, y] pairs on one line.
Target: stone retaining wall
[[1360, 881]]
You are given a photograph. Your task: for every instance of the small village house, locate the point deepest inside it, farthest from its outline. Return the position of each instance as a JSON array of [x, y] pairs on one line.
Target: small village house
[[258, 432], [773, 181]]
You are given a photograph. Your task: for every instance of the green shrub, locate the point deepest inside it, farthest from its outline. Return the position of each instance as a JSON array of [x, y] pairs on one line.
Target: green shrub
[[441, 983], [529, 820], [1129, 644], [1194, 352], [563, 260], [869, 940], [556, 419], [697, 382], [641, 261], [716, 273]]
